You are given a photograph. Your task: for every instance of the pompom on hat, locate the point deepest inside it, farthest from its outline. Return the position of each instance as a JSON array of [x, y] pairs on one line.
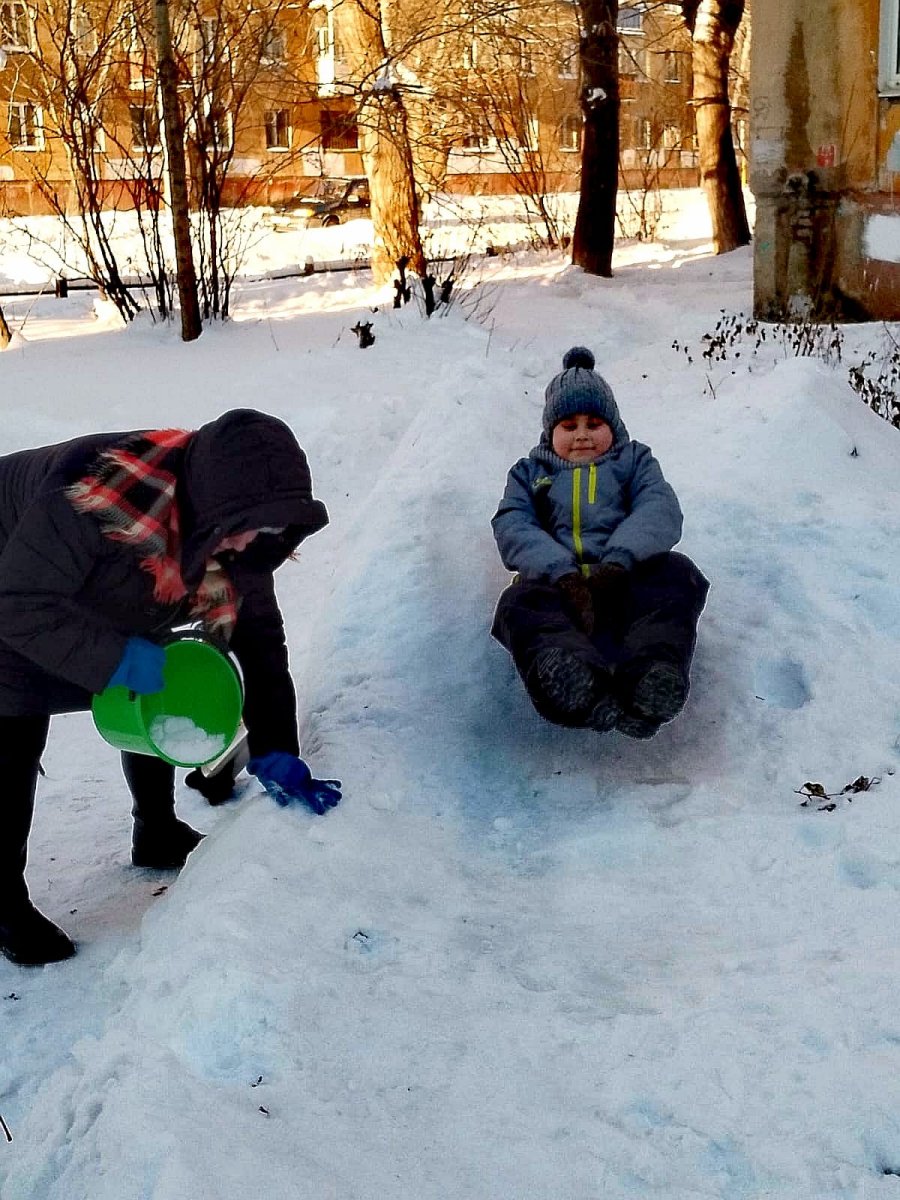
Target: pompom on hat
[[579, 389]]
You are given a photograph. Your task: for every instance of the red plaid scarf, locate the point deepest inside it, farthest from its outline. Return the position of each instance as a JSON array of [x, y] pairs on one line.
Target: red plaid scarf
[[131, 491]]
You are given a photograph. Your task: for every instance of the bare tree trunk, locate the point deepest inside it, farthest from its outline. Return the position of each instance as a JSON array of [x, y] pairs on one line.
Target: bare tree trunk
[[385, 147], [713, 25], [5, 335], [595, 224], [173, 123]]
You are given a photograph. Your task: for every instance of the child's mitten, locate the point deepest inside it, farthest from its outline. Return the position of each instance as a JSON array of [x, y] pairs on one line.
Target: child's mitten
[[607, 582], [575, 588]]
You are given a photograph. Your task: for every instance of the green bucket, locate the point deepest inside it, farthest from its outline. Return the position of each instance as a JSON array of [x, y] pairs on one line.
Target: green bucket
[[202, 686]]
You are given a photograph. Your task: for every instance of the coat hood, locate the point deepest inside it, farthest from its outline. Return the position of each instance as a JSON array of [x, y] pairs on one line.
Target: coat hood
[[245, 470]]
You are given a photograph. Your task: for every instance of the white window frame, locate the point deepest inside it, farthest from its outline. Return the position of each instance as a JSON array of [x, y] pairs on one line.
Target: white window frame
[[631, 30], [671, 136], [570, 123], [141, 74], [13, 26], [567, 63], [84, 34], [889, 49], [274, 47], [531, 135], [481, 142], [275, 147], [527, 53], [671, 66], [215, 145], [91, 126], [37, 125], [138, 144], [327, 35], [207, 53]]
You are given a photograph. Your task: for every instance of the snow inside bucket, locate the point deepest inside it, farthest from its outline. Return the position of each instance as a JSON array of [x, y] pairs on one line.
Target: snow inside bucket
[[191, 721]]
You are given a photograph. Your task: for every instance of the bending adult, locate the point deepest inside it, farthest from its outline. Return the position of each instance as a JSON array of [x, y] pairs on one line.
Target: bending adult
[[108, 543]]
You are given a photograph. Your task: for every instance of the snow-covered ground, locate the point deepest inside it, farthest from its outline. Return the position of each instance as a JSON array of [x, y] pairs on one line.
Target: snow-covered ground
[[516, 961]]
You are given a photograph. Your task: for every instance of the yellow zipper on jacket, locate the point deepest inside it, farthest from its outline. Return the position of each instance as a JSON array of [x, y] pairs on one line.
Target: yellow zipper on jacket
[[576, 511]]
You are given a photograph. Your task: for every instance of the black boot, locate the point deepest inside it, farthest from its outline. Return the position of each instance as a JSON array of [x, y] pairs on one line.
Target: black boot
[[216, 781], [215, 788], [658, 695], [26, 936], [159, 840], [566, 684]]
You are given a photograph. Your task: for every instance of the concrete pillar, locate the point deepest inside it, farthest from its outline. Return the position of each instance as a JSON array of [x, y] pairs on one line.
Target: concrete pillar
[[813, 124]]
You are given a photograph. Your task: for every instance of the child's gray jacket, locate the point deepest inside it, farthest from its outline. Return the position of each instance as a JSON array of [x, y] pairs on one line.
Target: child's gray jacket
[[557, 517]]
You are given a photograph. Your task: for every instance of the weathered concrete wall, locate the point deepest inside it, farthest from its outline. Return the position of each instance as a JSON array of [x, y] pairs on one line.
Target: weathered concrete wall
[[820, 136]]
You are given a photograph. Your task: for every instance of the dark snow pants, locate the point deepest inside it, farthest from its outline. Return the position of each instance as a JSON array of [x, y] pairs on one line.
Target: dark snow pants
[[652, 618], [151, 782]]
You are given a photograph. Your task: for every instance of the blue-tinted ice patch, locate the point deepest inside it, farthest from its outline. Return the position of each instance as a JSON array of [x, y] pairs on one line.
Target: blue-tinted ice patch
[[881, 604], [781, 682], [734, 1170]]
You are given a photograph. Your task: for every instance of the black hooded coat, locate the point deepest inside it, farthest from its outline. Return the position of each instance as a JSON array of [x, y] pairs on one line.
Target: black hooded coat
[[70, 596]]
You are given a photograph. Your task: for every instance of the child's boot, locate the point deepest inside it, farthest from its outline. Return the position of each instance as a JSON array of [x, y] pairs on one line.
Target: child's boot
[[566, 684], [606, 711], [659, 693], [657, 696], [159, 840]]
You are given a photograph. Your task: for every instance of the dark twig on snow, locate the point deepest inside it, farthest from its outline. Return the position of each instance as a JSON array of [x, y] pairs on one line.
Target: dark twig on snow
[[363, 330], [402, 290], [5, 1128], [815, 791]]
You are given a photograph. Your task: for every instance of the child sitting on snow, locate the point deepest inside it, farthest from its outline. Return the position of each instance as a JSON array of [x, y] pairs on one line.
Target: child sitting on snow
[[601, 619]]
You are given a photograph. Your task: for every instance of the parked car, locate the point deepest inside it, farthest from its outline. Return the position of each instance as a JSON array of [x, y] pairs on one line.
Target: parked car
[[331, 202]]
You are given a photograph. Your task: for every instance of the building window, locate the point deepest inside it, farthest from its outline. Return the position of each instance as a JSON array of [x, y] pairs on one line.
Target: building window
[[567, 63], [530, 137], [144, 127], [87, 125], [479, 139], [628, 67], [278, 130], [671, 137], [141, 59], [216, 129], [643, 133], [570, 132], [25, 127], [889, 60], [338, 130], [327, 35], [630, 20], [207, 50], [84, 35], [15, 27], [672, 66], [274, 46]]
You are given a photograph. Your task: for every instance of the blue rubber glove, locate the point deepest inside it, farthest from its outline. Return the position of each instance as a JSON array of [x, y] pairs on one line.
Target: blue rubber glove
[[140, 668], [287, 778]]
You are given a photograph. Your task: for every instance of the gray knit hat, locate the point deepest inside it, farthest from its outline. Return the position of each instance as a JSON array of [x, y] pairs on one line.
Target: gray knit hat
[[579, 389]]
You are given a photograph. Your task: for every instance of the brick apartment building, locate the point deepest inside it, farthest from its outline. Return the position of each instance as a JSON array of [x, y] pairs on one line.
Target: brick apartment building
[[272, 96]]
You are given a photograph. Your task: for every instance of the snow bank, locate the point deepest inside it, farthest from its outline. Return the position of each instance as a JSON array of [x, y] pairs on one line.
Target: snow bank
[[516, 960]]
